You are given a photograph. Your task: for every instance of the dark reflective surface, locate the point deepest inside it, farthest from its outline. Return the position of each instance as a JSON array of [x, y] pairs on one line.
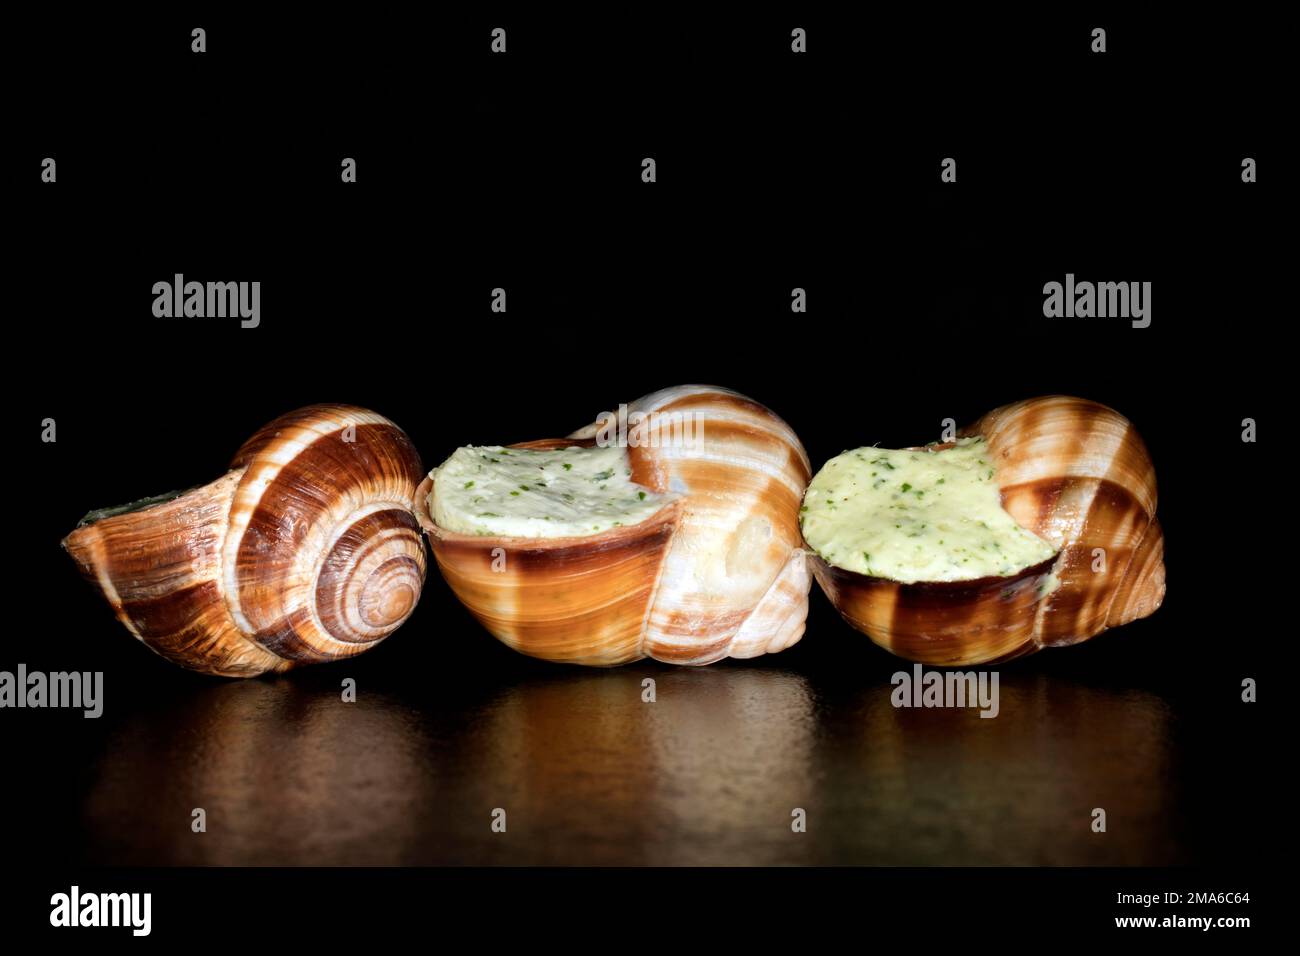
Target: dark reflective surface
[[590, 773]]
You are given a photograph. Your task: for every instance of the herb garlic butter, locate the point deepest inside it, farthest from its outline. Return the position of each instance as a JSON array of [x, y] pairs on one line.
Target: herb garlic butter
[[919, 515], [568, 492]]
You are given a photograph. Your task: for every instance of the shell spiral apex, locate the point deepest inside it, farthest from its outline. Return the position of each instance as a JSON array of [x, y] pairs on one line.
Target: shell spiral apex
[[307, 550]]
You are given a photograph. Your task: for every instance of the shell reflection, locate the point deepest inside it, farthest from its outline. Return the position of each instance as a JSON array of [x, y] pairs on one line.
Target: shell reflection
[[589, 773], [285, 774]]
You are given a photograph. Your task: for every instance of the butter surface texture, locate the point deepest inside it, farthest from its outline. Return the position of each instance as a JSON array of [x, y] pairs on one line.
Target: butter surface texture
[[568, 492], [916, 516]]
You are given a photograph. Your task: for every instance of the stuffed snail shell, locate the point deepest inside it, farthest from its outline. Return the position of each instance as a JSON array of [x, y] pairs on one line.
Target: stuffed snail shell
[[1035, 528], [669, 530], [305, 551]]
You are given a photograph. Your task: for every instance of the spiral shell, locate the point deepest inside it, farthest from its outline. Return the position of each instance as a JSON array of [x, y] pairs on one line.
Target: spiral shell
[[306, 550], [1078, 475], [717, 572]]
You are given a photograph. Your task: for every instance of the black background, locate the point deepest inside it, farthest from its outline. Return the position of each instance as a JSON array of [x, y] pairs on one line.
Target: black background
[[774, 171]]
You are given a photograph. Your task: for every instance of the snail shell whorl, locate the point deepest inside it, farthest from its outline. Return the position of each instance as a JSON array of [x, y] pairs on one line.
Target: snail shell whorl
[[1078, 474], [735, 581], [305, 551]]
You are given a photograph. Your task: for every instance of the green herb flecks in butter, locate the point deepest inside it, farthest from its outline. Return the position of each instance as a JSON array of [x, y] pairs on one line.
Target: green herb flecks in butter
[[938, 516], [538, 494]]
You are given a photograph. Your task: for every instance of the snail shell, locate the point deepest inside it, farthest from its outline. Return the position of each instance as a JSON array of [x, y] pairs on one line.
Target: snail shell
[[717, 572], [1078, 475], [305, 551]]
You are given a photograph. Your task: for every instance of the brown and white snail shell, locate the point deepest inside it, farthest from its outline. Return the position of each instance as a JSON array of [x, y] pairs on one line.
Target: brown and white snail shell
[[1079, 476], [306, 550], [717, 572]]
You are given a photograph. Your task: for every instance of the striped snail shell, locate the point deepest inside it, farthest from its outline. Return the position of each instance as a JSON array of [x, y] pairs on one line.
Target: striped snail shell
[[717, 572], [305, 551], [1078, 475]]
